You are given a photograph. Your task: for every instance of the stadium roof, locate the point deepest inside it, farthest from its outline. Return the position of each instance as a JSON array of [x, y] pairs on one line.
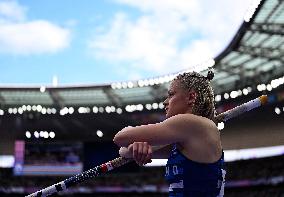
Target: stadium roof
[[254, 56]]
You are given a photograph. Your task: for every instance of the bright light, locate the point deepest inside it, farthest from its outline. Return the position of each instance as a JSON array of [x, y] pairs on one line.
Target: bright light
[[15, 110], [269, 87], [71, 110], [51, 134], [28, 134], [226, 95], [221, 125], [42, 89], [100, 133], [10, 110], [148, 106], [234, 94], [139, 107], [108, 109], [95, 109], [36, 134], [1, 112], [53, 110], [140, 83], [218, 98], [101, 109], [155, 105], [277, 110], [130, 84], [41, 133], [49, 111], [54, 81], [119, 110], [161, 105], [24, 107], [34, 108], [29, 108], [38, 108], [245, 91], [45, 134]]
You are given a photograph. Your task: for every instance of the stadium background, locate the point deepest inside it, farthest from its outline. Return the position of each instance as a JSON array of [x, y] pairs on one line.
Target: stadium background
[[49, 134]]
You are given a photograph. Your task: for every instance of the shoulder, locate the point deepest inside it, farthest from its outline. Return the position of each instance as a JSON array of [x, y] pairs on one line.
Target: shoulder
[[190, 120]]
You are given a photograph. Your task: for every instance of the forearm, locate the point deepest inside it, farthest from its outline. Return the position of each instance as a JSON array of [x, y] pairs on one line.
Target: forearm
[[120, 139], [159, 152]]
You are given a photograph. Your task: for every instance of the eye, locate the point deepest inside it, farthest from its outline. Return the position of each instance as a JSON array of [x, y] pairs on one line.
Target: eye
[[170, 94]]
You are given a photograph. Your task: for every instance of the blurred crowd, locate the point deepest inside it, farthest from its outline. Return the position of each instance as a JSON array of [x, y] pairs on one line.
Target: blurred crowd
[[255, 177]]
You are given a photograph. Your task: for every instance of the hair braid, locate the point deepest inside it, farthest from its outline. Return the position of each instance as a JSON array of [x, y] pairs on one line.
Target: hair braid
[[204, 103]]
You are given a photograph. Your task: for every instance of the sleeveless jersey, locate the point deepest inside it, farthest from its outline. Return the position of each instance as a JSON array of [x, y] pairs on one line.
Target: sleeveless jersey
[[188, 178]]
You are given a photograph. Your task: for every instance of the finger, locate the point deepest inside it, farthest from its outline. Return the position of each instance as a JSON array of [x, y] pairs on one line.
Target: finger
[[144, 152], [135, 150], [140, 152], [149, 155]]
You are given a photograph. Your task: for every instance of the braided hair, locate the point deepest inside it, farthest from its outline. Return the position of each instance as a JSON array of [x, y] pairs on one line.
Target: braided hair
[[204, 102]]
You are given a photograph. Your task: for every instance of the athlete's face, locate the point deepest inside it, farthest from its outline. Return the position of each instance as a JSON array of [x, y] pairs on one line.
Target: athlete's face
[[178, 100]]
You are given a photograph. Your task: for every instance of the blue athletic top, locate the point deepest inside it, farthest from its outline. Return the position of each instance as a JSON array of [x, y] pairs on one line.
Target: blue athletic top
[[188, 178]]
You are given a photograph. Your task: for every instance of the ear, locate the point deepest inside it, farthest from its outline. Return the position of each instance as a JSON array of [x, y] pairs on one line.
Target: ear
[[191, 97]]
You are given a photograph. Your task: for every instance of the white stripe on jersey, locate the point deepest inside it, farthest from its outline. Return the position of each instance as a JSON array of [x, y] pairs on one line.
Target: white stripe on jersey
[[178, 185], [221, 194]]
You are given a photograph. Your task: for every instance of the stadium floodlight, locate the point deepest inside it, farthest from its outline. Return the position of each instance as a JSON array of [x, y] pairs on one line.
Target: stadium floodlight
[[148, 106], [100, 133], [161, 105], [140, 83], [277, 110], [95, 109], [10, 110], [218, 98], [155, 105], [130, 84], [42, 89], [51, 134], [24, 107], [38, 108], [107, 109], [45, 134], [234, 94], [71, 110], [53, 110], [43, 110], [119, 110], [28, 134], [15, 110], [34, 108], [226, 95], [20, 110], [245, 91], [221, 125], [268, 87], [101, 109], [139, 107], [29, 108], [36, 134], [41, 134]]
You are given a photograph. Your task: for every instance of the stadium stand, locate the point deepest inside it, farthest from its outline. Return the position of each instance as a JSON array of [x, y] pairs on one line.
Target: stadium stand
[[250, 66]]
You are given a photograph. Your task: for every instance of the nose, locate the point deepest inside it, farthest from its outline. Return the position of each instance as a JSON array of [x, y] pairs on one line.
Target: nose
[[166, 102]]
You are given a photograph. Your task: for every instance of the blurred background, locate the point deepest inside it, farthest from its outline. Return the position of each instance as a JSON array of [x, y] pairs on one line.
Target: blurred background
[[72, 76]]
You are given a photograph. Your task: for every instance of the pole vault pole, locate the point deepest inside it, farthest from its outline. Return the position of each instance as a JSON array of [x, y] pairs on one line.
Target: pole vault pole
[[120, 161]]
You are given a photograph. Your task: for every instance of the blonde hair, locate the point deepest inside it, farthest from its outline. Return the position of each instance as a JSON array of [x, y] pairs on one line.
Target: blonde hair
[[204, 102]]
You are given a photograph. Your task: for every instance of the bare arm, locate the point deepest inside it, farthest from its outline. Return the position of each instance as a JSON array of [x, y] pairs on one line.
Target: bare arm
[[159, 152], [178, 128]]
